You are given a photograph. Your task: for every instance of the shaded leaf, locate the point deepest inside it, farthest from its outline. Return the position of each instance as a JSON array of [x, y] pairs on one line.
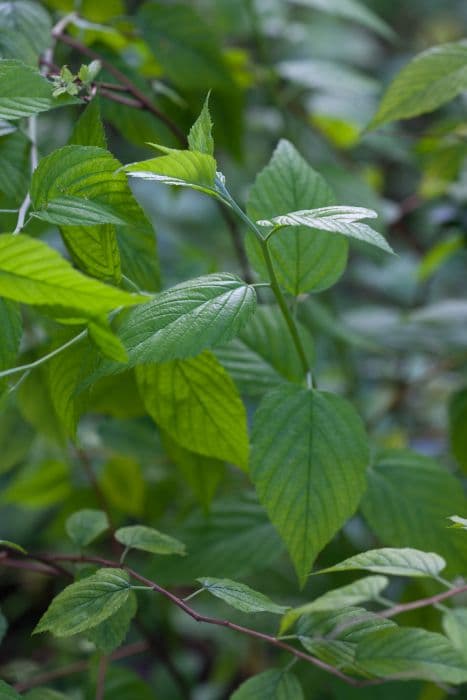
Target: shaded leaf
[[240, 596], [84, 526], [148, 539], [12, 545], [395, 562], [351, 10], [30, 20], [109, 634], [273, 684]]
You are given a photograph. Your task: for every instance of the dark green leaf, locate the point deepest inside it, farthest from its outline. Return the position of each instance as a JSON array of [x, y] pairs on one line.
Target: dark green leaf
[[274, 685], [110, 634]]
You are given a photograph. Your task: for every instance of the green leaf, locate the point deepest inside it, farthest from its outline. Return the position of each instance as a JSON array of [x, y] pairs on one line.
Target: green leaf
[[24, 92], [342, 220], [7, 692], [76, 211], [303, 261], [95, 250], [111, 633], [408, 499], [431, 79], [39, 485], [180, 168], [200, 136], [44, 694], [412, 653], [309, 455], [351, 10], [367, 588], [147, 539], [14, 166], [89, 129], [12, 330], [196, 403], [123, 485], [396, 562], [458, 522], [84, 526], [457, 423], [33, 273], [86, 603], [12, 545], [274, 685], [30, 20], [455, 628], [109, 344], [240, 596], [184, 320]]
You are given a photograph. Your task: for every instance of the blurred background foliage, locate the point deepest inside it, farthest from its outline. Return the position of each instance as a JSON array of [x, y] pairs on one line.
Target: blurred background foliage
[[391, 335]]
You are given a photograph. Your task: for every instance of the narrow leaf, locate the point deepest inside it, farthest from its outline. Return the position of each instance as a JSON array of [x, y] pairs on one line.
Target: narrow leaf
[[395, 562], [200, 136], [240, 596], [12, 545]]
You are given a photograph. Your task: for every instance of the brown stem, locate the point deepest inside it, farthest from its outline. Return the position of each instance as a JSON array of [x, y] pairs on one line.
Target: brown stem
[[423, 602]]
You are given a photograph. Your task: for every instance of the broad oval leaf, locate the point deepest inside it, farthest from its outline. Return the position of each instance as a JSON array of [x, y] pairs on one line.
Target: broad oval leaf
[[273, 685], [86, 603], [84, 526], [240, 596], [303, 262], [196, 403], [339, 219], [432, 78], [30, 20], [412, 653], [77, 211], [395, 562], [148, 539], [33, 273], [110, 634], [309, 455]]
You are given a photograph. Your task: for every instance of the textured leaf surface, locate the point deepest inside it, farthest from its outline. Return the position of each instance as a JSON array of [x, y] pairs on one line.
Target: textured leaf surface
[[432, 78], [408, 499], [412, 653], [352, 10], [240, 596], [309, 455], [76, 211], [396, 562], [84, 526], [33, 273], [181, 168], [342, 220], [274, 685], [110, 634], [197, 403], [367, 588], [200, 136], [29, 19], [304, 261], [86, 603], [148, 540], [24, 92]]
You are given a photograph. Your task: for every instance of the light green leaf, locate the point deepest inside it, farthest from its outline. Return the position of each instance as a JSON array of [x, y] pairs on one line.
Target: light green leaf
[[367, 588], [24, 92], [395, 562], [12, 545], [309, 455], [432, 78], [76, 211], [89, 129], [200, 136], [412, 653], [33, 273], [240, 596], [12, 330], [111, 633], [39, 485], [181, 168], [351, 10], [196, 403], [273, 685], [147, 539], [457, 423], [184, 320], [342, 220], [408, 499], [95, 250], [30, 19], [84, 526], [86, 603], [109, 344], [458, 522], [303, 262]]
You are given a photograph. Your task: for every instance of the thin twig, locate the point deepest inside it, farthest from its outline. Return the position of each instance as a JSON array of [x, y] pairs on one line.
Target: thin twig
[[44, 358], [423, 602]]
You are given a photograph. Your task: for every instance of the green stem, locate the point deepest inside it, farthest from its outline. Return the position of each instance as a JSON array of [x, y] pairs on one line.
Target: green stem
[[45, 358]]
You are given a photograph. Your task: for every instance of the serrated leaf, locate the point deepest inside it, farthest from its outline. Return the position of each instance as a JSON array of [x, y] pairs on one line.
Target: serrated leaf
[[200, 136], [30, 20], [111, 633], [89, 129], [84, 526], [240, 596], [196, 403], [181, 168], [303, 262], [12, 545], [184, 320], [76, 211], [147, 539], [408, 499], [33, 273], [24, 92], [309, 455], [412, 653], [351, 10], [367, 588], [342, 220], [457, 422], [396, 562], [432, 78], [86, 603], [273, 684]]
